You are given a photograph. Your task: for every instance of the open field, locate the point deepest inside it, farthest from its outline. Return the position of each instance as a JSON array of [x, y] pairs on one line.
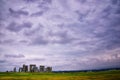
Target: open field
[[101, 75]]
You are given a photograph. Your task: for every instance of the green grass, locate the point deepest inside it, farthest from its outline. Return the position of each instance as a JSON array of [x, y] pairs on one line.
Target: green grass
[[101, 75]]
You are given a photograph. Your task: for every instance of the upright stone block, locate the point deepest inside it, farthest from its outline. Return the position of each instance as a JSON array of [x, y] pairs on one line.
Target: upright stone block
[[20, 69], [49, 69], [25, 68], [14, 70], [42, 68], [32, 66]]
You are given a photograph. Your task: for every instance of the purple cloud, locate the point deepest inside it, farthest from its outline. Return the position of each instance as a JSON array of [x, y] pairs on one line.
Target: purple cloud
[[40, 13], [115, 2], [18, 13], [27, 25], [7, 41], [15, 27], [64, 38], [30, 0], [34, 31], [36, 59], [1, 34], [14, 56], [23, 41], [39, 41], [2, 61], [46, 1], [81, 16], [44, 5]]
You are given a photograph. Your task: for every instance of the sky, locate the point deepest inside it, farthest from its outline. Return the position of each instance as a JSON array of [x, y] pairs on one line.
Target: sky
[[64, 34]]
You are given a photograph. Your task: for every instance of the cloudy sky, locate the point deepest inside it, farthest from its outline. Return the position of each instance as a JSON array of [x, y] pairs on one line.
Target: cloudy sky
[[64, 34]]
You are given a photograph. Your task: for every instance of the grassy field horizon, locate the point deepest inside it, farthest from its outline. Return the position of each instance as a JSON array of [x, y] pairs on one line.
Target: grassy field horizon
[[99, 75]]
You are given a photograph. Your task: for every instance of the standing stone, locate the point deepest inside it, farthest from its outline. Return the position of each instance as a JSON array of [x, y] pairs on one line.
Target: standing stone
[[20, 69], [32, 66], [42, 68], [49, 69], [25, 68], [14, 70], [35, 69]]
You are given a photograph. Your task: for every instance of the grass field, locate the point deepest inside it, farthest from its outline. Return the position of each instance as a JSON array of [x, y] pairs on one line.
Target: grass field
[[101, 75]]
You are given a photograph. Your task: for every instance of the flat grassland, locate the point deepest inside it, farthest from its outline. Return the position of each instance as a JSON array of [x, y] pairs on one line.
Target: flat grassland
[[101, 75]]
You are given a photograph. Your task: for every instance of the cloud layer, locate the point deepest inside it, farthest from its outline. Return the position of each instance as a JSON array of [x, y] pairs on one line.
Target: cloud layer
[[64, 34]]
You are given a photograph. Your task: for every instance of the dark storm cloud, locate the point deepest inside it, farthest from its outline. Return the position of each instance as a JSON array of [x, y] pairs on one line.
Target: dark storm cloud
[[35, 31], [40, 1], [46, 1], [81, 1], [115, 2], [115, 22], [44, 5], [18, 13], [2, 3], [27, 25], [24, 41], [108, 20], [7, 41], [40, 13], [39, 41], [30, 33], [2, 34], [118, 11], [81, 16], [36, 59], [14, 56], [2, 61], [30, 1], [15, 27], [64, 37], [110, 12], [1, 50], [109, 42], [111, 63], [64, 41], [111, 37], [106, 12]]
